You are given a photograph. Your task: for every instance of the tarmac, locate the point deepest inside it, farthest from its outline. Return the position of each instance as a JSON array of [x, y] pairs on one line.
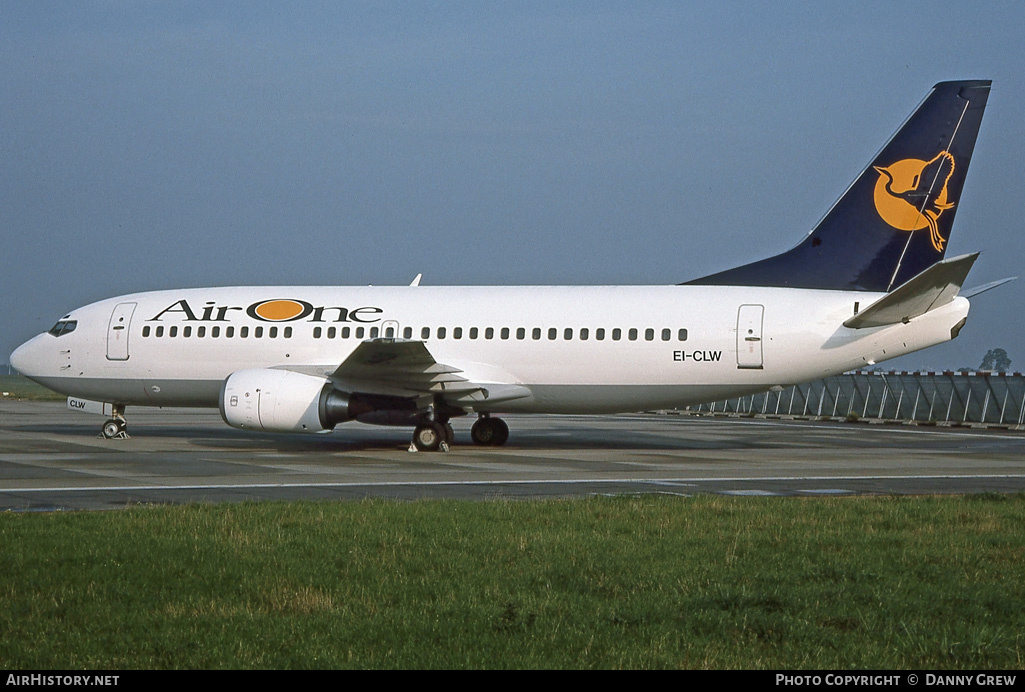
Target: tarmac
[[53, 459]]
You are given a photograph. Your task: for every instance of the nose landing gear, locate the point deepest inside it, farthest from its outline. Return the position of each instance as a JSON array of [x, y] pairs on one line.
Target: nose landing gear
[[115, 427]]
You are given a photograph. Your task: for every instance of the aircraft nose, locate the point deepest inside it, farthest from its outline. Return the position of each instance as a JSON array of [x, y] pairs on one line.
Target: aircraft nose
[[27, 358]]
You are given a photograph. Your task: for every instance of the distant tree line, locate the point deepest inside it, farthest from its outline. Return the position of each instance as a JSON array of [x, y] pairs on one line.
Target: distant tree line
[[996, 359]]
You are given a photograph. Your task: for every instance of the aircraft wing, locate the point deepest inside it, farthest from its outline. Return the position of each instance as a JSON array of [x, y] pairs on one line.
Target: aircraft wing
[[402, 367], [931, 289]]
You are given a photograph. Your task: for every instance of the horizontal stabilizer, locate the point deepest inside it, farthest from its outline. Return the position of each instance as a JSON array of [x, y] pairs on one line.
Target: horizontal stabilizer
[[985, 287], [933, 288]]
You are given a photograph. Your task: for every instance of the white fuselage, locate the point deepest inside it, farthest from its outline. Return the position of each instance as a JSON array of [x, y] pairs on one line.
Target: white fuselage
[[576, 349]]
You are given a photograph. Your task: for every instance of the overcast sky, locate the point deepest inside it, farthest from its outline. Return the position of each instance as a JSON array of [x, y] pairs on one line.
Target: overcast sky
[[151, 145]]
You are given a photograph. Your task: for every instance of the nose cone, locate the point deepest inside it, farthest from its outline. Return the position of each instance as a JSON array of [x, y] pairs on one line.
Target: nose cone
[[28, 358]]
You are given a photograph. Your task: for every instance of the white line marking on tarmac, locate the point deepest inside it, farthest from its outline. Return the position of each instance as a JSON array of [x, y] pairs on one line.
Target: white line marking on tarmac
[[749, 493], [385, 484]]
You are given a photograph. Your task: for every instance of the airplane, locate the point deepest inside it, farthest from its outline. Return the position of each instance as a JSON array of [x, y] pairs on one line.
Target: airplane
[[868, 283]]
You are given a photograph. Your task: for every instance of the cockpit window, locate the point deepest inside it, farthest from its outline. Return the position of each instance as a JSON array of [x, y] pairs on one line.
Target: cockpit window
[[63, 327]]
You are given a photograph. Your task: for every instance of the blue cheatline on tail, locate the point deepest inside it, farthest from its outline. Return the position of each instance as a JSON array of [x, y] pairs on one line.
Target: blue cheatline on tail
[[894, 221]]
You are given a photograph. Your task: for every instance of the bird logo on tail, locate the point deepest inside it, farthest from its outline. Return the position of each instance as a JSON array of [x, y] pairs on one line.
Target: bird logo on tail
[[911, 194]]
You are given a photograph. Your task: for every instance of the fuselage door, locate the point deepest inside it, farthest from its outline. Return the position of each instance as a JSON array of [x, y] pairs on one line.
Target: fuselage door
[[749, 337], [117, 331]]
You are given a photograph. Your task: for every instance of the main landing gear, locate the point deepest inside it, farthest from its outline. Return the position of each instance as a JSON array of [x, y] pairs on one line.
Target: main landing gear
[[115, 427], [489, 432], [436, 435], [432, 436]]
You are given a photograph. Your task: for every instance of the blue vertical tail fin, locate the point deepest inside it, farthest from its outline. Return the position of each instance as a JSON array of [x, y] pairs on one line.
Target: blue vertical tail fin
[[894, 221]]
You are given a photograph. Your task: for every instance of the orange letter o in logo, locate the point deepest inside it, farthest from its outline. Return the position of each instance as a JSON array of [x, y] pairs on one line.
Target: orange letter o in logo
[[280, 310]]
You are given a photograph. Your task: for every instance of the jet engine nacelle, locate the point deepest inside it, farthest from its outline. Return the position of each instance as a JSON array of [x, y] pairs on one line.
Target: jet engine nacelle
[[282, 401]]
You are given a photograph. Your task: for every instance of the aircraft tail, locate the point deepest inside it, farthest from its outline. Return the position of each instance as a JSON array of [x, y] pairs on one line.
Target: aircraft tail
[[895, 219]]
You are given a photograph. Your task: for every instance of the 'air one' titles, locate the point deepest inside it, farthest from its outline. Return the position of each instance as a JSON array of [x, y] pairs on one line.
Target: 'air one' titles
[[276, 310]]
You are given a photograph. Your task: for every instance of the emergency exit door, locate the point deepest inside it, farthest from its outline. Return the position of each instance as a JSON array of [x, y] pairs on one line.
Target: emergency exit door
[[749, 337]]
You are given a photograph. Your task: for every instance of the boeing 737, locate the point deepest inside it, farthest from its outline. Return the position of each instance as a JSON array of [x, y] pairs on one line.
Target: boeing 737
[[868, 283]]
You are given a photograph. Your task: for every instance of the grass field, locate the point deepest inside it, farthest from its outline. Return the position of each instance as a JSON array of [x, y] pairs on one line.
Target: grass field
[[649, 582], [18, 387]]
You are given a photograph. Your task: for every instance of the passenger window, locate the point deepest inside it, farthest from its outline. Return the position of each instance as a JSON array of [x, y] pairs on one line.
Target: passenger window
[[505, 332], [346, 331], [536, 334], [258, 332], [425, 333], [317, 332], [229, 332], [457, 333], [649, 334], [521, 333], [374, 332], [200, 331], [360, 331], [473, 332], [215, 332], [568, 334], [243, 332], [553, 333], [407, 333], [489, 333], [666, 334], [441, 332], [173, 332], [187, 332], [617, 334], [682, 335], [599, 334], [633, 335], [272, 332], [584, 333], [288, 332], [160, 331], [145, 330], [331, 332]]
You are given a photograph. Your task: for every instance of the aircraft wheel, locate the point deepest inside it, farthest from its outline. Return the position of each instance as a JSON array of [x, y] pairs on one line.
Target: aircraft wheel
[[428, 436], [501, 432], [490, 432], [113, 428]]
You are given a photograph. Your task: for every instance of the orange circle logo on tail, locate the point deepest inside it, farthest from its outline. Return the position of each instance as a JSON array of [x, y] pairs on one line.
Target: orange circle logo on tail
[[911, 194]]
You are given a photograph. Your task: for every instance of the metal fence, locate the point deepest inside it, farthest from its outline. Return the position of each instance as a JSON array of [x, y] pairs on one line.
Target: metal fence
[[996, 398]]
